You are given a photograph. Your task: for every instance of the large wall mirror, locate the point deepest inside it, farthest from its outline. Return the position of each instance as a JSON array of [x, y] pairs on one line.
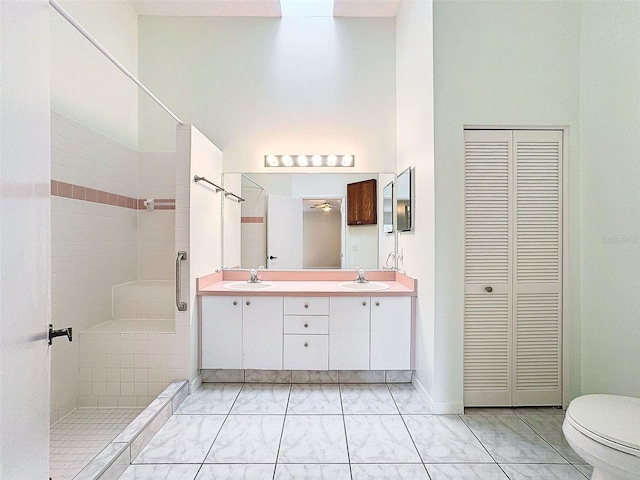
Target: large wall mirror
[[298, 220]]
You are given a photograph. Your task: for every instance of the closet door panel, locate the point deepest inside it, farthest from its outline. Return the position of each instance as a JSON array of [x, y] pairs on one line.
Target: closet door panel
[[487, 348], [537, 307], [487, 254]]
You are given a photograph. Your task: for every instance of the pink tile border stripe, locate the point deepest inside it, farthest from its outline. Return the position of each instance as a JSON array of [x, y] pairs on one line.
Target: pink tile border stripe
[[78, 192], [251, 220]]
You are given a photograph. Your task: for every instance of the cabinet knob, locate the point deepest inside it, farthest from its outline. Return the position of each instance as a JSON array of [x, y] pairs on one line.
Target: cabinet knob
[[377, 304], [306, 305], [306, 344], [364, 304], [488, 289], [306, 325], [235, 303], [248, 303]]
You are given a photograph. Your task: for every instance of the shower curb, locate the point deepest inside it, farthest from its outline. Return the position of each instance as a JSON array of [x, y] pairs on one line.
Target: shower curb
[[116, 457]]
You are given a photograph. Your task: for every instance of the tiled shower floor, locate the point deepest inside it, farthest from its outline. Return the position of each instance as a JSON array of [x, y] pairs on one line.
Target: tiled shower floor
[[80, 436], [350, 431]]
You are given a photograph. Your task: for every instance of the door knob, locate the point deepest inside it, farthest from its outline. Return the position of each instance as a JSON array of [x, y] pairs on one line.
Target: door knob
[[488, 289], [68, 332]]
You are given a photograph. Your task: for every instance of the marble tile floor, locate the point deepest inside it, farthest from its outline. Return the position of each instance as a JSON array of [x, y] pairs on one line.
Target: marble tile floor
[[350, 431], [80, 436]]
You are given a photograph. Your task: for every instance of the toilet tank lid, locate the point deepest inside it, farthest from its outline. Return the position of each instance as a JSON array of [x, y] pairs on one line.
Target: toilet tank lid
[[613, 417]]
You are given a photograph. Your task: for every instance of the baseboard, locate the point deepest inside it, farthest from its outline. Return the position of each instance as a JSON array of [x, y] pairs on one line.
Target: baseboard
[[437, 408], [195, 383]]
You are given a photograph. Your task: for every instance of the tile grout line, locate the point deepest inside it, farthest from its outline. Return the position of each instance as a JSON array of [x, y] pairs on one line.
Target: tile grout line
[[481, 443], [344, 424], [221, 426], [408, 431], [284, 421]]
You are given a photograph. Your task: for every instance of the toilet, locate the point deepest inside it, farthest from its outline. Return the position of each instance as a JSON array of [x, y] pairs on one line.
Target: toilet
[[605, 431]]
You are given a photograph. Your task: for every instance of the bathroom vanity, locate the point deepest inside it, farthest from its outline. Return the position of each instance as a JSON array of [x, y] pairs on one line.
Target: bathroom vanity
[[306, 320]]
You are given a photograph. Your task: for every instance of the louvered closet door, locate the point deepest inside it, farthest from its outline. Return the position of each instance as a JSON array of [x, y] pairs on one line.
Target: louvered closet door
[[538, 268], [513, 277], [487, 289]]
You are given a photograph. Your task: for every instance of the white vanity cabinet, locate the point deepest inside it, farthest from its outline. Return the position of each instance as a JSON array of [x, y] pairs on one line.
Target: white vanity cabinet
[[262, 330], [221, 332], [390, 333], [306, 333], [349, 320], [241, 332]]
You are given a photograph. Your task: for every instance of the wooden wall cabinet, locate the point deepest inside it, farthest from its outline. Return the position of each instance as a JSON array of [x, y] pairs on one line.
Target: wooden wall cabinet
[[362, 203]]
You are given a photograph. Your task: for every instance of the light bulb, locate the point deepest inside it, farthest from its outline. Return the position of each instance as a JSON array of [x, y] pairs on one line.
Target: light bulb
[[287, 160], [332, 160], [302, 161], [272, 160], [327, 208], [316, 160], [346, 160]]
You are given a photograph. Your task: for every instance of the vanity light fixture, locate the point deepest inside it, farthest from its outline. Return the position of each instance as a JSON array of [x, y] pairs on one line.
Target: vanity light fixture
[[309, 160]]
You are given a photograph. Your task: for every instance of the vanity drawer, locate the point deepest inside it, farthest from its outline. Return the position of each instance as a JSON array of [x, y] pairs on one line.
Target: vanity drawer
[[306, 352], [306, 324], [306, 305]]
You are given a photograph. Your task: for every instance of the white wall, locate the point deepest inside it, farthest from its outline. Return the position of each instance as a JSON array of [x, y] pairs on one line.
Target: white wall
[[610, 196], [497, 63], [25, 221], [414, 72], [198, 216], [261, 85], [85, 85]]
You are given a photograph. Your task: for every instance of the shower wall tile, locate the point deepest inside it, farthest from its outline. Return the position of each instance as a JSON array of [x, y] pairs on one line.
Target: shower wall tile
[[156, 237], [86, 238]]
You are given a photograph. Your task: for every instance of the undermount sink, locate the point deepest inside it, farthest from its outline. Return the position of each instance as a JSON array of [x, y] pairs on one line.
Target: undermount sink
[[364, 287], [248, 286]]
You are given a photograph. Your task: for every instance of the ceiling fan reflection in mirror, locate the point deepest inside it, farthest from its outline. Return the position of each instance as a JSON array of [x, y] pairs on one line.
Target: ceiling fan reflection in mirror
[[325, 206]]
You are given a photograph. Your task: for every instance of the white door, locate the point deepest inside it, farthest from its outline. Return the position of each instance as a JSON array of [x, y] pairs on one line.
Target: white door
[[390, 333], [284, 232], [513, 277], [262, 330], [221, 332], [25, 237], [349, 321]]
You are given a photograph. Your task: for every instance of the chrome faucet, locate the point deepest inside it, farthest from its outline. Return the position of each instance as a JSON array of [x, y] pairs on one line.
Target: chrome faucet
[[253, 276], [361, 277]]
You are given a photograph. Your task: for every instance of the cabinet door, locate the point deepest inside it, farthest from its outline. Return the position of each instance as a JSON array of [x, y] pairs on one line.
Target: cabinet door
[[362, 203], [221, 332], [349, 333], [262, 332], [390, 333]]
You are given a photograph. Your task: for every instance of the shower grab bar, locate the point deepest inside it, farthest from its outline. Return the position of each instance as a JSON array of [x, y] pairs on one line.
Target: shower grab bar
[[197, 178], [113, 60], [182, 306]]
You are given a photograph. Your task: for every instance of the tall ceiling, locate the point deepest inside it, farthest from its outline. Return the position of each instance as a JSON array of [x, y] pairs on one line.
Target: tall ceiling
[[257, 8]]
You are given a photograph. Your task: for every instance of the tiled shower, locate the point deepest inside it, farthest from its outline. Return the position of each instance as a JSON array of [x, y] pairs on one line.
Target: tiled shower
[[112, 273]]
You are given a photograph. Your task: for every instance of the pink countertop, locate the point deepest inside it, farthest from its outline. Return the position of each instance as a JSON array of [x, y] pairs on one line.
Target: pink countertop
[[307, 283]]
